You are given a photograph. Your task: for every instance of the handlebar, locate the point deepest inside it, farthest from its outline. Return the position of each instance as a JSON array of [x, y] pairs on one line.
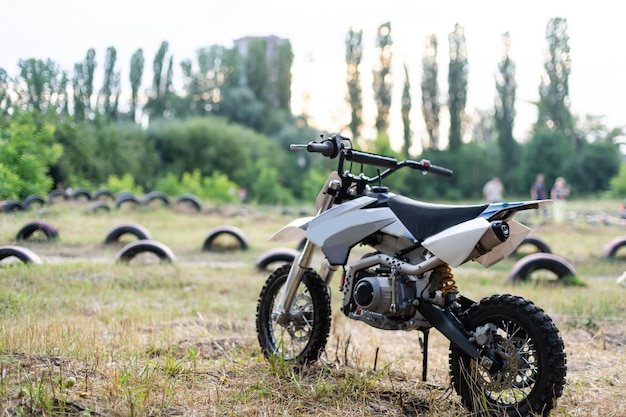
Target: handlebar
[[334, 146], [426, 166], [370, 159], [326, 148]]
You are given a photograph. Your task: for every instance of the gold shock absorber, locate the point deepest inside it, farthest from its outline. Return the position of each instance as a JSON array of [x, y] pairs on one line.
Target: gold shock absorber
[[448, 283]]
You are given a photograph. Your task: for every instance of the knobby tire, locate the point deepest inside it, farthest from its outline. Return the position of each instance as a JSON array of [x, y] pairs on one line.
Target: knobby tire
[[297, 341], [541, 363]]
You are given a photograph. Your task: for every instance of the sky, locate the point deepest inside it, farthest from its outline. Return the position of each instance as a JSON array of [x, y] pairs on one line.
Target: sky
[[63, 30]]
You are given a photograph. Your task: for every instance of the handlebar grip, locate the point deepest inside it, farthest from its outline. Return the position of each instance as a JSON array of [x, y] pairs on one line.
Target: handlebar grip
[[435, 169], [371, 159], [326, 148]]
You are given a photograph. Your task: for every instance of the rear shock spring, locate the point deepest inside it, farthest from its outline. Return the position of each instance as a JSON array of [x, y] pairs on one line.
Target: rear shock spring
[[448, 283]]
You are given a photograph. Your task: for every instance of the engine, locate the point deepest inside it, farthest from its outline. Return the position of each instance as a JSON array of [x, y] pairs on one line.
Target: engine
[[378, 294]]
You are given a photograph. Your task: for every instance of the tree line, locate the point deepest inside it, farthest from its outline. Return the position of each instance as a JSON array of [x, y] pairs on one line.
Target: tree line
[[230, 125]]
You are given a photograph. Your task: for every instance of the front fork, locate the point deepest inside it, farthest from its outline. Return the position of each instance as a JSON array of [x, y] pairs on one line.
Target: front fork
[[298, 268]]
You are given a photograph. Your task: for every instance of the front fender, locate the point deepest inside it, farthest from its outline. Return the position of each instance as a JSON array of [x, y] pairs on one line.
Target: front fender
[[293, 231]]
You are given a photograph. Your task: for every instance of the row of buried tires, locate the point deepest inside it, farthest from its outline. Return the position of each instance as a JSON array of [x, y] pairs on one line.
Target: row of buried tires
[[143, 244], [541, 259], [102, 200]]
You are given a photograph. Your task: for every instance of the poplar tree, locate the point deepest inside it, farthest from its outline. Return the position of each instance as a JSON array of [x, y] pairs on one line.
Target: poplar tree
[[110, 91], [383, 83], [406, 113], [430, 91], [554, 100], [161, 82], [354, 55], [506, 86], [457, 86], [82, 85], [137, 63]]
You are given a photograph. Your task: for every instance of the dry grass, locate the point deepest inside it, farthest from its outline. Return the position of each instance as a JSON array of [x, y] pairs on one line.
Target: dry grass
[[81, 335]]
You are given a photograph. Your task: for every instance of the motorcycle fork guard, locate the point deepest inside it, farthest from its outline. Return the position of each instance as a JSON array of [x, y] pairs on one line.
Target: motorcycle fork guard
[[294, 277]]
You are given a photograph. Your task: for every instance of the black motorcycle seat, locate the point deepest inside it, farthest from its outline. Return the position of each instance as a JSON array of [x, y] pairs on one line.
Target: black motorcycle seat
[[426, 219]]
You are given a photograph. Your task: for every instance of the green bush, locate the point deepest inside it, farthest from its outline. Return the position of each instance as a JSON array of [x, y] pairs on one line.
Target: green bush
[[618, 183], [217, 187], [26, 153], [124, 183]]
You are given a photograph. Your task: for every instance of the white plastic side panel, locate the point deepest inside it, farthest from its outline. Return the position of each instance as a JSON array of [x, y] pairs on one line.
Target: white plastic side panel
[[399, 230], [295, 230], [454, 245], [348, 223]]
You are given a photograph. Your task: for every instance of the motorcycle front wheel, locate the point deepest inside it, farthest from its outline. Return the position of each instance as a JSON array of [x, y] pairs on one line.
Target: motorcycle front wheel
[[303, 336], [532, 365]]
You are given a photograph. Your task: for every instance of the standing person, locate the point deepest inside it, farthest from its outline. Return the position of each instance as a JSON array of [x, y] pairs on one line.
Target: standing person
[[559, 193], [539, 191], [493, 190]]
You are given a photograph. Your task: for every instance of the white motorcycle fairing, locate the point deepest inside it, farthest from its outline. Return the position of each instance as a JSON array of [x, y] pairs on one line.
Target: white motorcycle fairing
[[295, 230], [337, 230], [454, 245]]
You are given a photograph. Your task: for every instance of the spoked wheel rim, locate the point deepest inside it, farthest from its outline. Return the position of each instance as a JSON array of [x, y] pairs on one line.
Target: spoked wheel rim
[[530, 362], [292, 337], [515, 379]]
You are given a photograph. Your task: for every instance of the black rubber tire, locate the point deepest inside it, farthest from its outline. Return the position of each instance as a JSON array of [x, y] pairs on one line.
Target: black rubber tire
[[28, 229], [523, 268], [82, 193], [33, 199], [137, 230], [12, 206], [157, 196], [126, 199], [539, 370], [128, 252], [23, 254], [276, 255], [225, 230], [539, 244], [302, 342], [99, 206], [612, 248], [190, 200], [104, 194], [54, 194]]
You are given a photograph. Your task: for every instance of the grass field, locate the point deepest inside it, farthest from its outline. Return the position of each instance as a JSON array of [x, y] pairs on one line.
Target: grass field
[[83, 335]]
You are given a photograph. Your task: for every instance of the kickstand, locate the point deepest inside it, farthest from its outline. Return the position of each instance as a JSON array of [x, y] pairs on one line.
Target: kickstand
[[424, 346]]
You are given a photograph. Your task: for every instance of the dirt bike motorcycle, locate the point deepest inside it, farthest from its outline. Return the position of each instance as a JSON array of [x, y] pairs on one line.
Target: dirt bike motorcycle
[[506, 356]]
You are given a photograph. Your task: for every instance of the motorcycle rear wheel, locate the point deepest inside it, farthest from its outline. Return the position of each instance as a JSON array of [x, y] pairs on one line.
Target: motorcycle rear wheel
[[531, 350], [303, 337]]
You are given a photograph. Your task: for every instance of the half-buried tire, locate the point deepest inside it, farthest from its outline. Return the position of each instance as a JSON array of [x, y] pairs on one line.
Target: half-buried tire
[[32, 228], [23, 254], [283, 255], [525, 267], [237, 234], [130, 251], [134, 229], [613, 247]]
